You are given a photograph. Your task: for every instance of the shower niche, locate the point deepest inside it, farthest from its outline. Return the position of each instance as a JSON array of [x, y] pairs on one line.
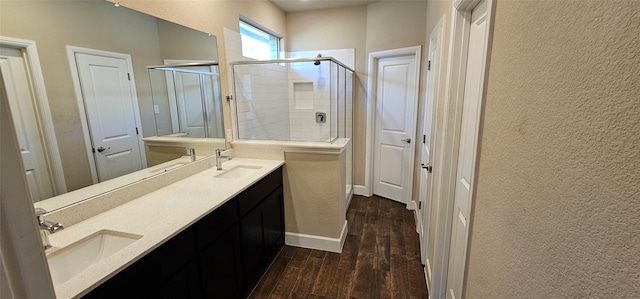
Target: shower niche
[[294, 99]]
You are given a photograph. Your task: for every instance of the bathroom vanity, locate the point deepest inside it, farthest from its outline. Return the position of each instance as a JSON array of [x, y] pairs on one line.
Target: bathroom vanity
[[212, 234], [220, 256]]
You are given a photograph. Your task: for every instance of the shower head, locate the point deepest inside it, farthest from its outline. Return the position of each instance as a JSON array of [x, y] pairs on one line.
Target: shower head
[[317, 62]]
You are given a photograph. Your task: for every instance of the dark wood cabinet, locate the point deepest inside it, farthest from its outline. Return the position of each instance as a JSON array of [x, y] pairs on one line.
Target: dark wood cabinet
[[182, 284], [262, 233], [220, 267], [221, 256]]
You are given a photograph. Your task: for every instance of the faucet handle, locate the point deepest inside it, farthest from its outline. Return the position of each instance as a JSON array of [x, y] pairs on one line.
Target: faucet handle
[[40, 212]]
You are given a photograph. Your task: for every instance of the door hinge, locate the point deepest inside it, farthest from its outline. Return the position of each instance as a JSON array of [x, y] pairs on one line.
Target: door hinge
[[129, 76], [424, 138], [137, 131], [429, 65], [419, 205]]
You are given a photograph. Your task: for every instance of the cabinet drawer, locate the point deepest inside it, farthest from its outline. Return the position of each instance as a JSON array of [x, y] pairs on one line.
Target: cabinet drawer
[[251, 197]]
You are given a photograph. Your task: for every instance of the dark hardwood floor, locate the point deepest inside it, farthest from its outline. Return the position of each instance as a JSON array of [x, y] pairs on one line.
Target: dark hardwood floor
[[380, 259]]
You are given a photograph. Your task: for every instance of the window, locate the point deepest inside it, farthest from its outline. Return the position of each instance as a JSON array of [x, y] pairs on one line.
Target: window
[[257, 42]]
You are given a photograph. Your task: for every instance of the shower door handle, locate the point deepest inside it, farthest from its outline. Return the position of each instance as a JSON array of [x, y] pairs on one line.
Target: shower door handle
[[408, 140]]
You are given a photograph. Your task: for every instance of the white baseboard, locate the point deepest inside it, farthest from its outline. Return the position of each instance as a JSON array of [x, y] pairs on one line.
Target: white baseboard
[[427, 275], [362, 190], [411, 206], [318, 242], [418, 221]]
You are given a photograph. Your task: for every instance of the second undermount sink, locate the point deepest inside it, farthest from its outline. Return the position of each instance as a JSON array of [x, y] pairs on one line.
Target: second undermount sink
[[237, 172], [69, 261]]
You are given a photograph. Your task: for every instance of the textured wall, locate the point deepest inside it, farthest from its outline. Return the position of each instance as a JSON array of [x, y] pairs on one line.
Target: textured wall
[[314, 194], [557, 212]]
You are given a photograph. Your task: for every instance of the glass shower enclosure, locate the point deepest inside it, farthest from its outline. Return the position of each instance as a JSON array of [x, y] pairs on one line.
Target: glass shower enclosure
[[301, 100], [187, 100]]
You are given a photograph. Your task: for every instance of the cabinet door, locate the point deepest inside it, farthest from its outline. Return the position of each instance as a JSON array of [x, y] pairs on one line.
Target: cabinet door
[[183, 284], [212, 226], [252, 245], [220, 266], [169, 271], [273, 223], [262, 234], [133, 282]]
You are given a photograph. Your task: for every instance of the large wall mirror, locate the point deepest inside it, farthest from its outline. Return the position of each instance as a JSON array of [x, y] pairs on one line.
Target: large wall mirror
[[85, 47]]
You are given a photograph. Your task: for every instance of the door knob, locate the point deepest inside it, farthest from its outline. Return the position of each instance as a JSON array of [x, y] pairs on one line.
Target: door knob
[[102, 149], [408, 140], [428, 167]]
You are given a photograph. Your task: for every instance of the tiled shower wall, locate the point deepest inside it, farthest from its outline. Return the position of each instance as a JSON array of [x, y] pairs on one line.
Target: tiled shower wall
[[262, 96], [302, 111], [262, 102], [267, 93]]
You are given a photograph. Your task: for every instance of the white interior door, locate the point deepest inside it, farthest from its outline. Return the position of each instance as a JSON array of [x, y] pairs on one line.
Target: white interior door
[[17, 87], [428, 144], [396, 86], [111, 116], [186, 100], [465, 179], [192, 98]]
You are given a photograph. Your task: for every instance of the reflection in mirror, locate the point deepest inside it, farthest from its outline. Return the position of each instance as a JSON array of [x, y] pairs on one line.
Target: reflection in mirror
[[187, 100], [69, 36]]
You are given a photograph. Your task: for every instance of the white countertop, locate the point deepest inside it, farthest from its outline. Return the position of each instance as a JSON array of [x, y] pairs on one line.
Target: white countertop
[[157, 217], [65, 199]]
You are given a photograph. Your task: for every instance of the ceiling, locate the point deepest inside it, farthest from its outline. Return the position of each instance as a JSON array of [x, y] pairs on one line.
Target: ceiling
[[302, 5]]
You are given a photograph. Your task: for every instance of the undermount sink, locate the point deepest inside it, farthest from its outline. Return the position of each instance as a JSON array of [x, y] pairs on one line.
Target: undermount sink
[[237, 172], [71, 260]]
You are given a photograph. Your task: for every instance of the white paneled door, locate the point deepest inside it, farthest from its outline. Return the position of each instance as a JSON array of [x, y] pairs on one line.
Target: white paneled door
[[465, 180], [395, 124], [16, 87], [111, 115], [191, 96], [430, 116]]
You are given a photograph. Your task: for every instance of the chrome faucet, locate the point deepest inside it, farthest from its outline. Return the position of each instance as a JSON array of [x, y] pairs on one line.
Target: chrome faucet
[[219, 157], [191, 152], [46, 227]]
